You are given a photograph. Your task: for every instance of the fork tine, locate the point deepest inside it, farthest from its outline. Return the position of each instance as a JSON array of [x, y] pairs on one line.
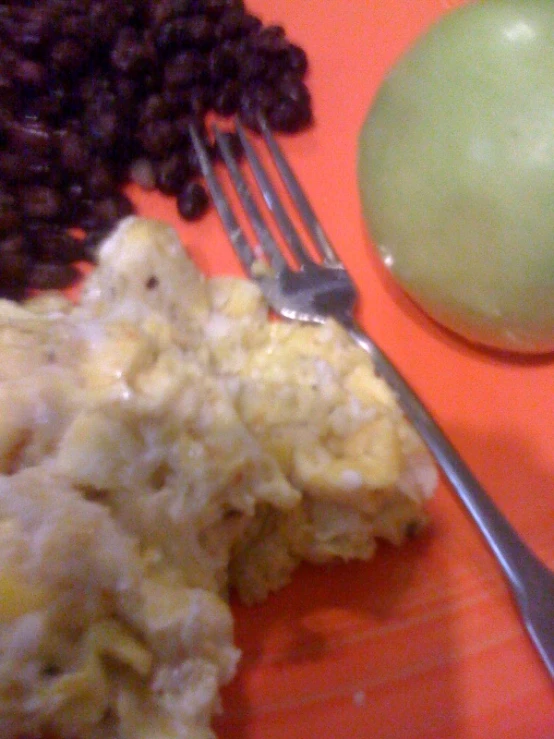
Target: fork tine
[[298, 196], [267, 242], [269, 193], [230, 223]]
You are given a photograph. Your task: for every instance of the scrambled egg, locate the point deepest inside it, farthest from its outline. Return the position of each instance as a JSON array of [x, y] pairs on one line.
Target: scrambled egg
[[162, 443]]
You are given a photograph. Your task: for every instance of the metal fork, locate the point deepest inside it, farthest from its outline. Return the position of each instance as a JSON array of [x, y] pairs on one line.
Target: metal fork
[[314, 291]]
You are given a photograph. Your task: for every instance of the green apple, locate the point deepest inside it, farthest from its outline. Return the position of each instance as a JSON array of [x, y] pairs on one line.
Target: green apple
[[456, 172]]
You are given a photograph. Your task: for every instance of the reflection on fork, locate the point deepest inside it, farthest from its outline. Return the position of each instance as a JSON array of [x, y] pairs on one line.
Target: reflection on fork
[[317, 289]]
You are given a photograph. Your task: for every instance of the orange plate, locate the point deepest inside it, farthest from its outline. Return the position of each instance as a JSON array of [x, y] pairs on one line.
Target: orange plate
[[424, 641]]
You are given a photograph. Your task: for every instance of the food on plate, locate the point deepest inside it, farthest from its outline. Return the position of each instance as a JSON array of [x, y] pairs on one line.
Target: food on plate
[[95, 93], [163, 443], [456, 162]]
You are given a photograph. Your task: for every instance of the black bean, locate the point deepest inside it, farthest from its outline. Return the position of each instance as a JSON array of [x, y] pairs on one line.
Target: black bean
[[226, 98], [103, 128], [5, 119], [237, 149], [294, 89], [232, 23], [192, 201], [10, 217], [15, 292], [95, 92], [223, 62], [289, 115], [73, 152], [197, 30], [68, 100], [109, 210], [41, 171], [125, 150], [251, 24], [184, 69], [53, 244], [76, 25], [93, 216], [172, 173], [269, 39], [200, 100], [142, 173], [13, 260], [201, 31], [33, 33], [153, 108], [91, 87], [184, 121], [254, 65], [75, 192], [127, 91], [296, 59], [172, 35], [29, 73], [106, 212], [51, 275], [9, 54], [165, 10], [29, 135], [125, 205], [13, 167], [6, 81], [25, 166], [157, 137], [249, 111], [104, 22], [214, 8], [259, 97], [178, 101], [40, 201], [47, 107], [68, 56], [100, 180], [129, 54]]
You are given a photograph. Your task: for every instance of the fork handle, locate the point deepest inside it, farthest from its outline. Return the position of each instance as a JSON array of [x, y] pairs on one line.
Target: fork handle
[[517, 561]]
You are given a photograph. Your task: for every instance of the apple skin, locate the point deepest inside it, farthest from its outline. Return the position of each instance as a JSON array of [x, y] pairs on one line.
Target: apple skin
[[456, 173]]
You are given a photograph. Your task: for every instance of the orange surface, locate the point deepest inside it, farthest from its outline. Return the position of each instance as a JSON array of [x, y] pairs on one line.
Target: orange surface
[[424, 641]]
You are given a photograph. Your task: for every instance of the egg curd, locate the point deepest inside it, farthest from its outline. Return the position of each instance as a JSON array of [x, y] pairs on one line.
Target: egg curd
[[163, 443]]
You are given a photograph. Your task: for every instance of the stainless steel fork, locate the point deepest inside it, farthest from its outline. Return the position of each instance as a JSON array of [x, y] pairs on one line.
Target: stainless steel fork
[[317, 290]]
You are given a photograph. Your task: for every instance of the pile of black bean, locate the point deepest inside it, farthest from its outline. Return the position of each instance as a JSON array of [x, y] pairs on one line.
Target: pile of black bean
[[94, 93]]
